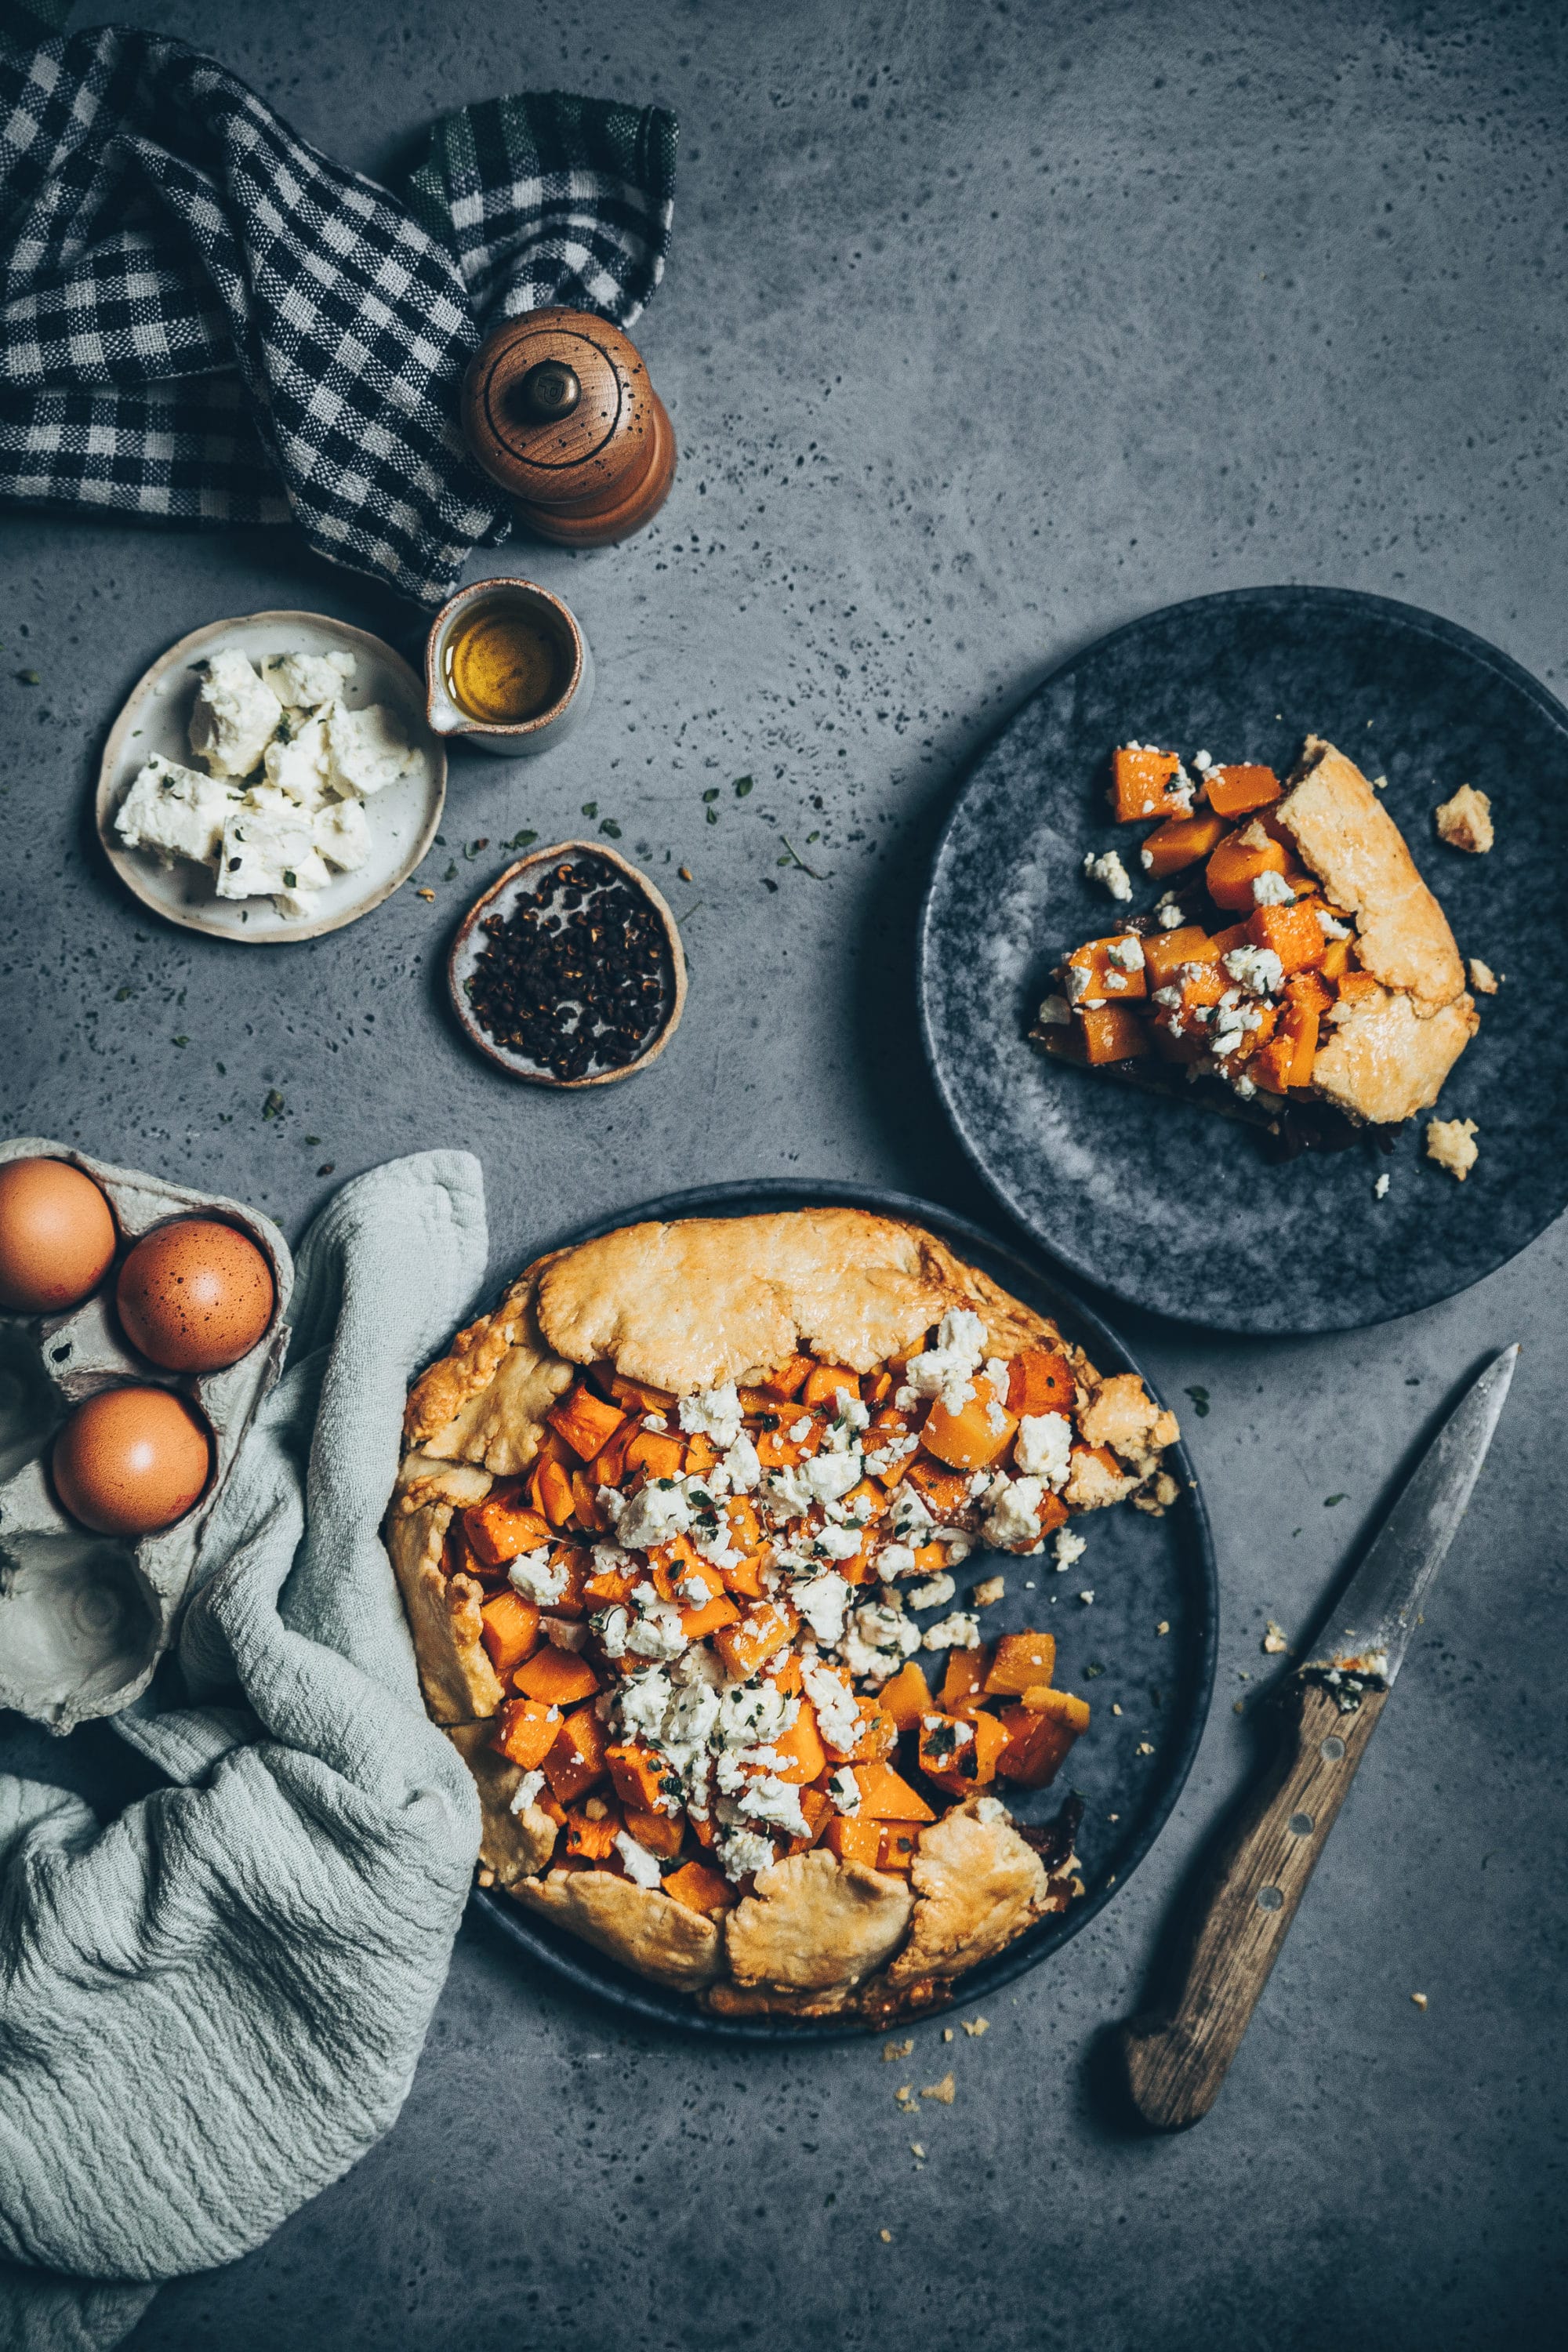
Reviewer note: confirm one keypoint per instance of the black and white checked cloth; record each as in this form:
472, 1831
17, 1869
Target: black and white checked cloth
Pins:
203, 319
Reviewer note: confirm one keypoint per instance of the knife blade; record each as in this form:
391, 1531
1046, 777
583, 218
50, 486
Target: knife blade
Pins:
1177, 2062
1367, 1632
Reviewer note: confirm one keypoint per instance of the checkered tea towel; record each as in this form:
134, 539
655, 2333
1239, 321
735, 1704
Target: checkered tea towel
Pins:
204, 320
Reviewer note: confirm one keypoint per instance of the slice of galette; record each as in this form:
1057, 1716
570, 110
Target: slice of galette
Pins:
1300, 959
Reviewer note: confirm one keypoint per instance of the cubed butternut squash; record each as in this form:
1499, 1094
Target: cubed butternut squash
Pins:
585, 1422
576, 1760
1235, 864
592, 1829
526, 1732
1109, 980
659, 1455
899, 1845
550, 1489
636, 1397
824, 1383
974, 1760
701, 1889
700, 1454
1237, 790
1040, 1736
854, 1837
745, 1646
509, 1628
608, 1587
906, 1697
1164, 952
657, 1833
945, 1491
1112, 1032
1039, 1381
1293, 933
557, 1677
801, 1748
609, 1467
502, 1527
1021, 1660
697, 1623
1179, 843
978, 1433
1336, 958
887, 1796
586, 1508
1142, 784
639, 1774
963, 1683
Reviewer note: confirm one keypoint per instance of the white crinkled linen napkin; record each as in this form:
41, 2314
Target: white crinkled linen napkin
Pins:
211, 2009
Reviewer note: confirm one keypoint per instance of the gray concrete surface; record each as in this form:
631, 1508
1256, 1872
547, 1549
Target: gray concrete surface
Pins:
988, 327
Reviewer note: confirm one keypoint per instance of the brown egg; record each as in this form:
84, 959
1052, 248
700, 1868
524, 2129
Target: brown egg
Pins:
131, 1461
195, 1296
56, 1236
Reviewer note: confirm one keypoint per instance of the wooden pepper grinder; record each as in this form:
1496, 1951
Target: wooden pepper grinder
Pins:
558, 410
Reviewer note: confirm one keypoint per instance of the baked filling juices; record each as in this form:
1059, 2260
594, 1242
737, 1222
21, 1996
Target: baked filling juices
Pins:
507, 662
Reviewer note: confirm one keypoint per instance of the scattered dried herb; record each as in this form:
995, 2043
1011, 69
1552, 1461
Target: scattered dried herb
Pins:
273, 1107
742, 786
577, 977
1200, 1398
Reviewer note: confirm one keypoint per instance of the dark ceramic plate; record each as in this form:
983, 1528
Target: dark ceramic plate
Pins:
1159, 1202
1143, 1573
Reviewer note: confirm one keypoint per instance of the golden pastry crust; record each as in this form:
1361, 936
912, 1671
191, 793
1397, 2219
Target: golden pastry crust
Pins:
642, 1927
486, 1401
514, 1845
1351, 843
977, 1886
816, 1925
1383, 1063
709, 1299
455, 1672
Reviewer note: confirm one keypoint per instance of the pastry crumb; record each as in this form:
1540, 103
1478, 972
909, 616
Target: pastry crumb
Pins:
1163, 1626
1483, 978
1115, 1709
1451, 1143
425, 894
1274, 1643
1465, 821
1087, 1599
1144, 1747
486, 1877
945, 2092
916, 2150
891, 2050
987, 1595
886, 2236
1419, 1999
976, 2026
947, 2033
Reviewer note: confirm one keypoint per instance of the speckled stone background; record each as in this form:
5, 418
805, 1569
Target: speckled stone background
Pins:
988, 329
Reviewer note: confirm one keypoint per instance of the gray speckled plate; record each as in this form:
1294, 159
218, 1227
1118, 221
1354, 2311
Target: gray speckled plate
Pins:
1161, 1202
1146, 1647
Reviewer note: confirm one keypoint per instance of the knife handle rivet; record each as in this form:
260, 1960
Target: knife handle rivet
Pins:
1332, 1748
1300, 1824
1270, 1899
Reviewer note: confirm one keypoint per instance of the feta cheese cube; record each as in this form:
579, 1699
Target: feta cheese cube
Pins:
368, 750
267, 851
235, 715
341, 832
297, 764
178, 811
308, 681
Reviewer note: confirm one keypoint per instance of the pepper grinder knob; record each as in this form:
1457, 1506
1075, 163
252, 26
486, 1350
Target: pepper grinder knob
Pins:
558, 411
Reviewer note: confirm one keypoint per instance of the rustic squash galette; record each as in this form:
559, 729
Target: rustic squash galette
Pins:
658, 1530
1302, 963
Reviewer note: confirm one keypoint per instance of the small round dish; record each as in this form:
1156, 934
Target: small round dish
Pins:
402, 818
1144, 1654
500, 899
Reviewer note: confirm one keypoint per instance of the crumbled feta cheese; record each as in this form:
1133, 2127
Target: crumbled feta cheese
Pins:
656, 1514
1331, 926
527, 1792
297, 765
987, 1595
1271, 890
945, 1370
306, 681
1013, 1521
1169, 913
715, 1413
742, 1851
838, 1543
877, 1640
612, 1626
1259, 969
1379, 1190
749, 1712
641, 1866
533, 1577
959, 1631
1069, 1546
776, 1802
1043, 1446
656, 1632
896, 1559
1108, 870
741, 1465
1055, 1012
837, 1716
933, 1593
1078, 981
844, 1791
822, 1600
1201, 761
1087, 1597
988, 1809
1126, 954
177, 812
367, 751
820, 1478
235, 715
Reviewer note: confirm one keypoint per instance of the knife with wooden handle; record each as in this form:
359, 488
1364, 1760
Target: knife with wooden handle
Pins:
1330, 1704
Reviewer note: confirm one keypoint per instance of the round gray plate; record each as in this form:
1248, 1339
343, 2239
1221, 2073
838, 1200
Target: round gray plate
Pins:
1143, 1572
1161, 1204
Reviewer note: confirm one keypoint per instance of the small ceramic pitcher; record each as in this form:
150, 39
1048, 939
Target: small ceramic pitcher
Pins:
572, 688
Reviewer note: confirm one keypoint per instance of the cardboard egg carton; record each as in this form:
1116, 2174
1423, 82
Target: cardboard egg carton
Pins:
85, 1618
